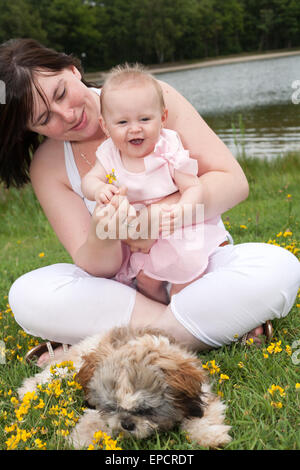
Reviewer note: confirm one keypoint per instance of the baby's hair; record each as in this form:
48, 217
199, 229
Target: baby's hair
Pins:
127, 73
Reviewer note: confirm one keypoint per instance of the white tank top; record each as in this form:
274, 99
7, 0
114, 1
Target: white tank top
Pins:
72, 170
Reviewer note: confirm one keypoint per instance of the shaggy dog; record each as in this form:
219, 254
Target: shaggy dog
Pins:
138, 382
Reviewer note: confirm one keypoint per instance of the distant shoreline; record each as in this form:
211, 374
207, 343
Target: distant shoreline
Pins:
156, 69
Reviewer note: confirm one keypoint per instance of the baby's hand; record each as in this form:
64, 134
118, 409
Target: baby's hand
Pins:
105, 192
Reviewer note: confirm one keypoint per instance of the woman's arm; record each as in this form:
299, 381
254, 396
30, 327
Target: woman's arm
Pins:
223, 181
68, 215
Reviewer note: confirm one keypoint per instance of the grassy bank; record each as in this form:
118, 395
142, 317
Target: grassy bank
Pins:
258, 385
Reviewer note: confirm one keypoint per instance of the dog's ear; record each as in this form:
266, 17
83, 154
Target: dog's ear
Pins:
92, 360
87, 370
185, 381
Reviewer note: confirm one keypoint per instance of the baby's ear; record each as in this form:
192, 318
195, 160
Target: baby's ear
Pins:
103, 125
164, 117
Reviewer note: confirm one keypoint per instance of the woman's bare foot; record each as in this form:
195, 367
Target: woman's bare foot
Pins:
255, 335
45, 357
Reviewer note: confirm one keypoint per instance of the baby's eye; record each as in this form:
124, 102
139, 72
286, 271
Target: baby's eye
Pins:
122, 122
145, 119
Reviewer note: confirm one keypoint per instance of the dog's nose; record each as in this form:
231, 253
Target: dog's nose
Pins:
127, 425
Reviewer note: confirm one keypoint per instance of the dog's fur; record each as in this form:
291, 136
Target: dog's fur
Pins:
140, 381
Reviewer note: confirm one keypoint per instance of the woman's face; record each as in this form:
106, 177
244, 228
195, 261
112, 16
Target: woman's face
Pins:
73, 109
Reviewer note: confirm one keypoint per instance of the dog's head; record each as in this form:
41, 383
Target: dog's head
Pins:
141, 380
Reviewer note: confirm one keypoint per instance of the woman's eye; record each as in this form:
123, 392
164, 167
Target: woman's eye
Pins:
44, 123
62, 94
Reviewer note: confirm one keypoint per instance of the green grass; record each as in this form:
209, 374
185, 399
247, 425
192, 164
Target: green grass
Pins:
272, 208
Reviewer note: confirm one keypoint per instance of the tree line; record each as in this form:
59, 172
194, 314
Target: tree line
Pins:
106, 32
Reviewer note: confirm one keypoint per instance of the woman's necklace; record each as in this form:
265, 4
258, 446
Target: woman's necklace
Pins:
82, 155
85, 159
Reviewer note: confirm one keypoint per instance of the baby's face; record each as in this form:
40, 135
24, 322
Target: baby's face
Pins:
133, 118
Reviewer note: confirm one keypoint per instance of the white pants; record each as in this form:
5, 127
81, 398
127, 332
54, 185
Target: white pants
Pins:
243, 286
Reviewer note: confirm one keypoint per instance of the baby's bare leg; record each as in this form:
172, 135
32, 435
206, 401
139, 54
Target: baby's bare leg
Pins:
152, 288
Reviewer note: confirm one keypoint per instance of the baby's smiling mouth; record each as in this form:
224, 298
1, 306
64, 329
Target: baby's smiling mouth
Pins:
136, 141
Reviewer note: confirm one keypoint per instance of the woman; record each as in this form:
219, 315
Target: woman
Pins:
244, 285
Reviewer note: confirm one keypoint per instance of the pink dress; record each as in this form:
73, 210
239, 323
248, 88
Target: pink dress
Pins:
182, 256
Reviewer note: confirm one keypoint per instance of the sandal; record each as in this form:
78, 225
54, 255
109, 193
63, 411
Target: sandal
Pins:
35, 353
267, 332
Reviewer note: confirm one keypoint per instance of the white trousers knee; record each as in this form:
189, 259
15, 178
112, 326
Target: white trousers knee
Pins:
243, 286
63, 303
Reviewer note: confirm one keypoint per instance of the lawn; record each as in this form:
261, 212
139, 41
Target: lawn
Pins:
261, 386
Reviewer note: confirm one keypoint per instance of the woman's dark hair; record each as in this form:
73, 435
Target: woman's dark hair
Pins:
19, 60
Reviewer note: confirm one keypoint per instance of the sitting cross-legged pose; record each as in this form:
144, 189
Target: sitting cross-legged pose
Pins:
53, 114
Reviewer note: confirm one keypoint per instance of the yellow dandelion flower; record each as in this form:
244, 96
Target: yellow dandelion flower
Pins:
244, 227
276, 388
297, 386
288, 350
40, 405
14, 401
41, 255
223, 377
40, 445
276, 404
111, 176
274, 348
288, 233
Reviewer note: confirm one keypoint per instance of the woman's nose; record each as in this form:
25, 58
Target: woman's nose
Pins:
69, 115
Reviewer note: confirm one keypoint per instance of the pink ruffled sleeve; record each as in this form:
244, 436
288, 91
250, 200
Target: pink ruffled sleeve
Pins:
171, 149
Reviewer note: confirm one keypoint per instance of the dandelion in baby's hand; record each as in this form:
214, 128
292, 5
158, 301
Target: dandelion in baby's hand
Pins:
111, 176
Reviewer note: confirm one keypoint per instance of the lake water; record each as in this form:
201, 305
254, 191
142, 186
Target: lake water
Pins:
249, 105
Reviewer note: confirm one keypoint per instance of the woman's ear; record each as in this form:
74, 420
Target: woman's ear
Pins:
76, 72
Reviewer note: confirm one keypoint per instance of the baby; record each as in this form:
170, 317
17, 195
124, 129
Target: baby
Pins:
152, 163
